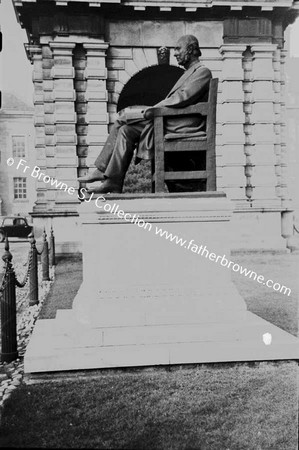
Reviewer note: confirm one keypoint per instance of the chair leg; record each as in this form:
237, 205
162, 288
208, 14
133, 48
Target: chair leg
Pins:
159, 155
159, 172
153, 175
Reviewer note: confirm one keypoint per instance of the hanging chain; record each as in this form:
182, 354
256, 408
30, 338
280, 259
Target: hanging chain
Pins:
21, 284
9, 266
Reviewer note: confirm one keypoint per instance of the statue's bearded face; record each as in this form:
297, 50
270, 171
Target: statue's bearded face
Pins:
182, 52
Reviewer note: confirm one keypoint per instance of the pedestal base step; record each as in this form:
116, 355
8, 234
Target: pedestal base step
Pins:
66, 344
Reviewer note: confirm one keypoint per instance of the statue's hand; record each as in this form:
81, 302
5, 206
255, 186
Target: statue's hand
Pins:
121, 114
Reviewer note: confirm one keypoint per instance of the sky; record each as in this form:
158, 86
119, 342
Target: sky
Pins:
16, 70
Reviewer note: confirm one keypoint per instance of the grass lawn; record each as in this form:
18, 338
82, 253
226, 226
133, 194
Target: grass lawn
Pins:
275, 307
227, 406
210, 406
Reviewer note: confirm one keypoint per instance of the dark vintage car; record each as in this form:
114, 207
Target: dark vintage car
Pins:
14, 226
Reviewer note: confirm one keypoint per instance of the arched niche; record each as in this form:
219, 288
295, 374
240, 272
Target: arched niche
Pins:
149, 86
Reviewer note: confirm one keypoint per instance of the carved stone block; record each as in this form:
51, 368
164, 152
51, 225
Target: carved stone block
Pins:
96, 73
66, 139
62, 72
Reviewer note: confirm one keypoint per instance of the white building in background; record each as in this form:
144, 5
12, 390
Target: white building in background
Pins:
17, 188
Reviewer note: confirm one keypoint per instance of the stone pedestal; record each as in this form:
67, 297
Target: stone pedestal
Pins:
151, 300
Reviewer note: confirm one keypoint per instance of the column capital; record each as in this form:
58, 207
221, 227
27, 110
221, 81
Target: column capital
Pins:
96, 62
232, 50
232, 56
62, 55
95, 46
62, 48
262, 50
33, 51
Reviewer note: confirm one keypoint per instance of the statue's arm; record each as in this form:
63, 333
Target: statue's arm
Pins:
194, 87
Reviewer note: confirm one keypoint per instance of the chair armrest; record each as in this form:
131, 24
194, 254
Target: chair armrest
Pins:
199, 108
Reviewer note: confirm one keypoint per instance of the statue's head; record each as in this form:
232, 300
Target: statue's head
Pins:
187, 50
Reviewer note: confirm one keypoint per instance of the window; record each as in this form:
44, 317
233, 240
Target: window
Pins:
19, 188
18, 147
7, 222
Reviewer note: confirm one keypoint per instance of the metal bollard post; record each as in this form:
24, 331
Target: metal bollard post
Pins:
9, 347
33, 275
45, 258
52, 248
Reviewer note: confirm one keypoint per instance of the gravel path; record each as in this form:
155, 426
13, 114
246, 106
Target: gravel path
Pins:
11, 374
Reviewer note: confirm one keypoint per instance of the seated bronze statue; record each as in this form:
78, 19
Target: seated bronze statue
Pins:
129, 131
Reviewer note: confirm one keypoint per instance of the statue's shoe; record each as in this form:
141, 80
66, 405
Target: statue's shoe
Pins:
107, 187
96, 175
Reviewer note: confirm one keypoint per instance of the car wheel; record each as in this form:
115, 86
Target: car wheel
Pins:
2, 236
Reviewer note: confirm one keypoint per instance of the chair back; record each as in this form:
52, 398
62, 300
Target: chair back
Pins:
201, 142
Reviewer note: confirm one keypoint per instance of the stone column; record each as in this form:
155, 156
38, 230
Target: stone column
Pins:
264, 178
65, 162
45, 191
277, 119
285, 201
35, 54
249, 146
81, 108
96, 97
287, 214
230, 172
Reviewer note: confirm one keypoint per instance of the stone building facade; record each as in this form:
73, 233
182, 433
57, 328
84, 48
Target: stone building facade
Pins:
17, 189
85, 52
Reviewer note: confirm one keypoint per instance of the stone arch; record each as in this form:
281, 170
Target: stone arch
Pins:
149, 86
124, 63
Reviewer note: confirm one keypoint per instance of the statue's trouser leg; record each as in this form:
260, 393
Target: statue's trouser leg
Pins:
123, 137
103, 159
